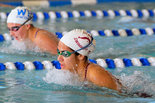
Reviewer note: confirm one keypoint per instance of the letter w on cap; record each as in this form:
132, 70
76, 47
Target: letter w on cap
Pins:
21, 11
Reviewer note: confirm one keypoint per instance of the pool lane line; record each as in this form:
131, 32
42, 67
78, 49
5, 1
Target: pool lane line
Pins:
106, 63
136, 13
106, 32
54, 3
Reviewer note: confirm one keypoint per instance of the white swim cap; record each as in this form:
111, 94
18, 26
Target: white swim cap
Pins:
19, 15
79, 39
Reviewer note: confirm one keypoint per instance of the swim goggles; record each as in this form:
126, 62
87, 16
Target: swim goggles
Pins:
16, 28
66, 53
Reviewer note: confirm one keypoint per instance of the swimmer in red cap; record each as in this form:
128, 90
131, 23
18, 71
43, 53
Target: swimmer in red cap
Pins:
73, 50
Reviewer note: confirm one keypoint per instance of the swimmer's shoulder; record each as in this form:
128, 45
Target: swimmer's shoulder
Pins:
47, 33
95, 70
41, 33
101, 77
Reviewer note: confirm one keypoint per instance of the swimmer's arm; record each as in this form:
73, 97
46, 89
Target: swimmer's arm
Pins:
47, 42
100, 77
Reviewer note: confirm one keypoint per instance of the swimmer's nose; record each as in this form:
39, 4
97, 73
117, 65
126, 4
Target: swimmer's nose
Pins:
12, 33
60, 58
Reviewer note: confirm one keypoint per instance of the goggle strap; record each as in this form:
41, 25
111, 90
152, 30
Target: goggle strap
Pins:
26, 21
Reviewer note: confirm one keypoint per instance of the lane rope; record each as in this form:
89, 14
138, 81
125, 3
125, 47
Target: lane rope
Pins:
106, 63
143, 13
106, 32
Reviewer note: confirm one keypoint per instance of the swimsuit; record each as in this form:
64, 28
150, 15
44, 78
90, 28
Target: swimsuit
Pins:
37, 32
86, 72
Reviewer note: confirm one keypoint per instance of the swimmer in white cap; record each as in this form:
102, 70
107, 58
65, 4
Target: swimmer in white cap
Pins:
20, 25
73, 50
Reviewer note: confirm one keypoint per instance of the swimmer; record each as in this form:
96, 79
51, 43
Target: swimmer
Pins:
19, 23
73, 50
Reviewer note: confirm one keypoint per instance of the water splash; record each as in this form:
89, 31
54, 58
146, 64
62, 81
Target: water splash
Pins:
15, 46
138, 83
62, 77
126, 19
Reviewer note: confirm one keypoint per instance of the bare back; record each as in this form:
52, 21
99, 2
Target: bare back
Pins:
101, 77
45, 40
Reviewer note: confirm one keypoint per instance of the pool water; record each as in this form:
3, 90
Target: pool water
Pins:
54, 85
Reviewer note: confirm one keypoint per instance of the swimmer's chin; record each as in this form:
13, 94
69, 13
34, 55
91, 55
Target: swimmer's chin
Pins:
63, 68
19, 39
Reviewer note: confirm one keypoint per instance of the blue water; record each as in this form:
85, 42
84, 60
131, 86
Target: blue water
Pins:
59, 86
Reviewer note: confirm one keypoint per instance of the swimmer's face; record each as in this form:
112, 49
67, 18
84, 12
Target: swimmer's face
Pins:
67, 63
19, 33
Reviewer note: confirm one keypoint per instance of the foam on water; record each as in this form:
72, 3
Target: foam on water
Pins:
62, 77
126, 19
15, 46
138, 82
14, 50
134, 83
129, 19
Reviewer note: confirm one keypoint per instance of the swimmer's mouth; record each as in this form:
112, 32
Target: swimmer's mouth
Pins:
62, 65
16, 37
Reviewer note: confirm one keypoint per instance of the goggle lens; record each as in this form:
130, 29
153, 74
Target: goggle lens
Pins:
15, 28
64, 53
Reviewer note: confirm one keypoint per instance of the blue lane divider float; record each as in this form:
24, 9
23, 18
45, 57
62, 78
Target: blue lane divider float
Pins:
53, 3
106, 63
144, 13
106, 32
